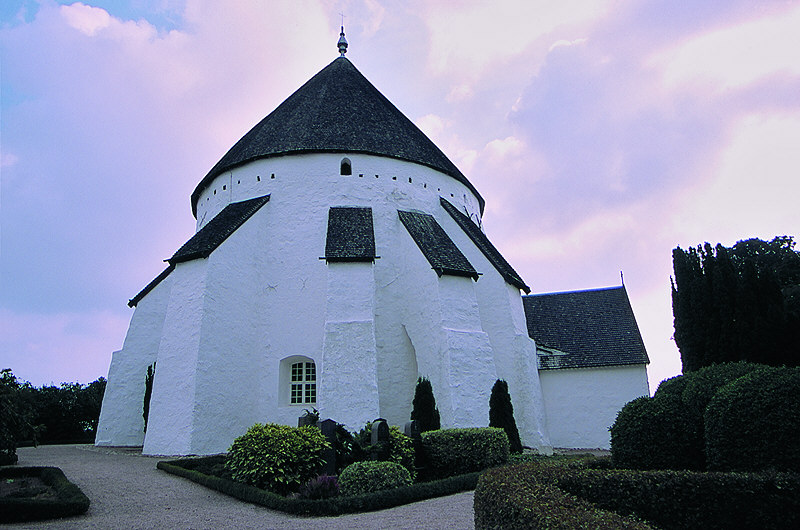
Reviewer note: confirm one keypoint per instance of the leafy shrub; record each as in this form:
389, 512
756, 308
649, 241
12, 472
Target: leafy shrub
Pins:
753, 423
401, 447
673, 386
368, 476
424, 409
321, 487
456, 451
276, 457
548, 496
701, 385
501, 414
515, 497
656, 433
378, 500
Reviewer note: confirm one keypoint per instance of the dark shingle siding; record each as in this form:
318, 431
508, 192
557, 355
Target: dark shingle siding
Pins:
207, 239
482, 242
150, 286
436, 245
217, 230
350, 234
593, 328
340, 111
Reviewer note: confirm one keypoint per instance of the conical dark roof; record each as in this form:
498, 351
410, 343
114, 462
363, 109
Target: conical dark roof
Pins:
336, 111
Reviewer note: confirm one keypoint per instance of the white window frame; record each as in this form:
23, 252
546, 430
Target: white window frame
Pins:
303, 383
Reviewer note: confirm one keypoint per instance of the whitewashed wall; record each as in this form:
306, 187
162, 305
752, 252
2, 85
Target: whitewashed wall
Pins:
581, 404
235, 320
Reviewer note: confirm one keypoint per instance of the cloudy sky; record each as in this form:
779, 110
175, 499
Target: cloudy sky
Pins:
601, 134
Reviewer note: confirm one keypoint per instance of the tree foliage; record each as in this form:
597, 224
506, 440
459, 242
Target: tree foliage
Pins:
501, 414
16, 416
424, 409
737, 304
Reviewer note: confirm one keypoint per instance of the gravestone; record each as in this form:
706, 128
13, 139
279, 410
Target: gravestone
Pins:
380, 439
411, 430
328, 428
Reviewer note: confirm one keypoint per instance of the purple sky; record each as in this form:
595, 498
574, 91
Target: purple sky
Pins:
602, 136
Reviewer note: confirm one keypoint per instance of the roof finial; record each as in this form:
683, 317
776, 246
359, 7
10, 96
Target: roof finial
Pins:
342, 41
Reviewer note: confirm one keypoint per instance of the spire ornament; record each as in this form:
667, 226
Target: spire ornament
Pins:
342, 43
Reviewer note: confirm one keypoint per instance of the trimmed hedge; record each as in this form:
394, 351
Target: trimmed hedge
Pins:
451, 452
516, 497
277, 457
701, 385
379, 500
69, 500
368, 476
656, 433
541, 496
754, 422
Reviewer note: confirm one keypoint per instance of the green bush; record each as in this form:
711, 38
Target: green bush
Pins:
423, 407
672, 386
277, 457
378, 500
547, 496
753, 423
369, 476
516, 497
456, 451
401, 447
656, 433
701, 385
69, 500
501, 414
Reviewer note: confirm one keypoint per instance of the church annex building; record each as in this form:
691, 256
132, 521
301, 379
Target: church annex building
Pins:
338, 256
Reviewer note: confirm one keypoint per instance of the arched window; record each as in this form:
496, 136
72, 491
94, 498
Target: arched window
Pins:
303, 383
346, 168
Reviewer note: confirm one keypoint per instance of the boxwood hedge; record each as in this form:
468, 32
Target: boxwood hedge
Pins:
451, 452
541, 496
69, 500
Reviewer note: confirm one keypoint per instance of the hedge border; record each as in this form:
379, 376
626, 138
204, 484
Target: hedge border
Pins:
586, 494
70, 499
366, 502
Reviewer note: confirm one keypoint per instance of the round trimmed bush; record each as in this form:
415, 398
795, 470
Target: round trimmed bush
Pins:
656, 433
700, 386
673, 386
753, 423
401, 447
369, 476
275, 457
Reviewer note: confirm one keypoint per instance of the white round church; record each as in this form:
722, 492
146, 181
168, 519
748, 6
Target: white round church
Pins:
338, 257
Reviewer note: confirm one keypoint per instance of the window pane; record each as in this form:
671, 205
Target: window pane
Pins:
297, 372
296, 394
311, 372
311, 393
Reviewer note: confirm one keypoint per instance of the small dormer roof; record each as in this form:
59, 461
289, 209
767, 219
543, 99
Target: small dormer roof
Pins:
336, 111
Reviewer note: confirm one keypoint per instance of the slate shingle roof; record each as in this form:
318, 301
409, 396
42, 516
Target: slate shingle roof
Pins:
350, 234
584, 329
150, 286
207, 239
436, 245
482, 242
338, 110
217, 230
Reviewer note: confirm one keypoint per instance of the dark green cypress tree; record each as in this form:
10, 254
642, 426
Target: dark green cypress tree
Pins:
148, 392
424, 409
501, 414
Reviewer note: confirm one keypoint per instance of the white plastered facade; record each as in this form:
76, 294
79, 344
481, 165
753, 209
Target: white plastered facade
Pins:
223, 329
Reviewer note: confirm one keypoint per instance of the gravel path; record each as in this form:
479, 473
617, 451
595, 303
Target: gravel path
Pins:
127, 491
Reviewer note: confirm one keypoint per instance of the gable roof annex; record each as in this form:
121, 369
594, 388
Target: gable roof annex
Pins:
584, 329
336, 111
484, 245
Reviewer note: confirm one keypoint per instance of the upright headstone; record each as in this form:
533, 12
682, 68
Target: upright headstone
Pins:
328, 428
411, 430
380, 439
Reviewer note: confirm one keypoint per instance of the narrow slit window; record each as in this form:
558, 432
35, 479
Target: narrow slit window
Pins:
346, 168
